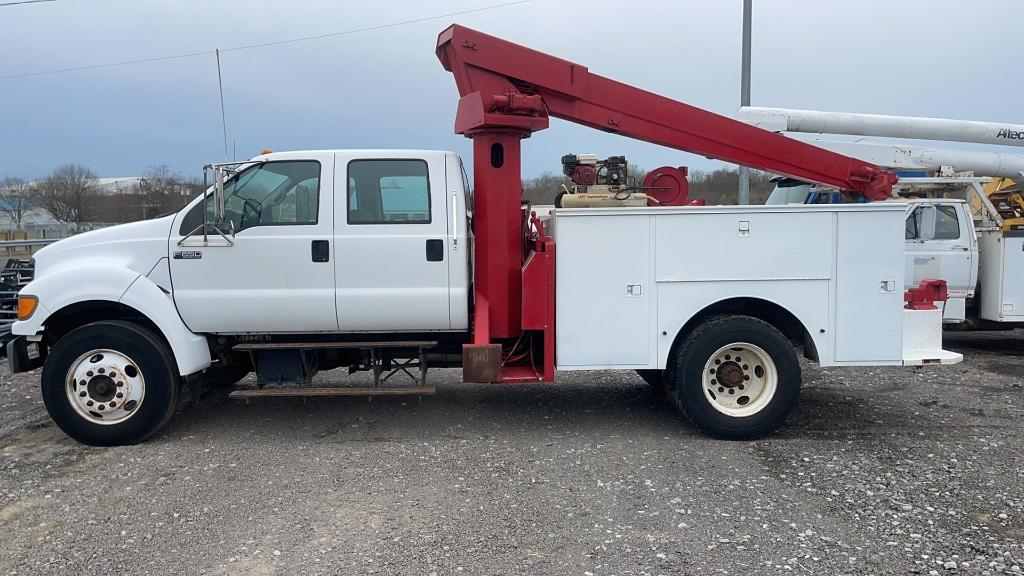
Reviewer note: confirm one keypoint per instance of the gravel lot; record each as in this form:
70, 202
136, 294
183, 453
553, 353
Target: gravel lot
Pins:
879, 471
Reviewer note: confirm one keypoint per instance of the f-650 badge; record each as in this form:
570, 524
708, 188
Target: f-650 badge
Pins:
188, 255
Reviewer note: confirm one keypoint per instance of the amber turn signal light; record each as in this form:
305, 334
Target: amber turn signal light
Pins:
26, 306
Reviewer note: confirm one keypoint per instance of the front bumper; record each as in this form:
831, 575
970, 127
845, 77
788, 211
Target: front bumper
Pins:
23, 355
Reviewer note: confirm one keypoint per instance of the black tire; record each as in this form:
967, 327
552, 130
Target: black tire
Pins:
699, 348
655, 379
154, 362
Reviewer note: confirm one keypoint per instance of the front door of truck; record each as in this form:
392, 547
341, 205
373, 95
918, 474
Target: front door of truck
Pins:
940, 244
392, 242
277, 274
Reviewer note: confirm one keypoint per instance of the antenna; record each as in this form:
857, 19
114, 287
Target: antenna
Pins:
223, 120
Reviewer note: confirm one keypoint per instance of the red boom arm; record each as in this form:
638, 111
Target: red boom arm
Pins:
509, 91
501, 83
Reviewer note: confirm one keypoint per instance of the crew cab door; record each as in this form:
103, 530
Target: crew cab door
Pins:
941, 244
276, 274
392, 242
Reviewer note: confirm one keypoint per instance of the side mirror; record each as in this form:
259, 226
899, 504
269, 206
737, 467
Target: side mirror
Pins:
218, 194
927, 222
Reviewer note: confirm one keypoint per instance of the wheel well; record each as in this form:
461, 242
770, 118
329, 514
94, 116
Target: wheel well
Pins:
81, 313
770, 312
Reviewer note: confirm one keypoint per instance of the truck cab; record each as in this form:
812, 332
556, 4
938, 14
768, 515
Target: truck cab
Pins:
326, 242
942, 243
296, 249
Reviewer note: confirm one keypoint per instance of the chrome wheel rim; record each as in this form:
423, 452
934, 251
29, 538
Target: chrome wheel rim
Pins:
105, 386
739, 380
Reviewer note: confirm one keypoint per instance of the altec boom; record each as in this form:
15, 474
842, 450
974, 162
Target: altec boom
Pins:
508, 92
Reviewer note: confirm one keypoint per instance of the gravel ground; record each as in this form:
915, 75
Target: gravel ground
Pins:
879, 471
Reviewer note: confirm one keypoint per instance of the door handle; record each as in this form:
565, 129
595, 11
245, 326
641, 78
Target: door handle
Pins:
435, 250
320, 250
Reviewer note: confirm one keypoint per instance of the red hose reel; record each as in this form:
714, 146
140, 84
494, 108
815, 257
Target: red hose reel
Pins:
668, 186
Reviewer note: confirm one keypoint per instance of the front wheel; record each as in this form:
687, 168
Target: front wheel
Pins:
736, 377
110, 383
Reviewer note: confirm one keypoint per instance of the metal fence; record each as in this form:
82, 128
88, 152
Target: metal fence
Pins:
17, 271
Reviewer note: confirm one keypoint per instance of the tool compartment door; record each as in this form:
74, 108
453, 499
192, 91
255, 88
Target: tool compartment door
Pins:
604, 291
869, 287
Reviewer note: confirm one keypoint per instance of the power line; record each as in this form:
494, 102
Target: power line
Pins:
260, 45
2, 4
108, 65
378, 27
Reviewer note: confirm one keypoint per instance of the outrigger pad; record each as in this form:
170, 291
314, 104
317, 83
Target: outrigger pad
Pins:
481, 363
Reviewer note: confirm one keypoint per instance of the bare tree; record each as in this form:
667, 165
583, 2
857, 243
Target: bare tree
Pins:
719, 186
163, 190
67, 193
542, 189
15, 199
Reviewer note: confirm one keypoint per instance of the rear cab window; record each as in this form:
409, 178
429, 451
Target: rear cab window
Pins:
384, 191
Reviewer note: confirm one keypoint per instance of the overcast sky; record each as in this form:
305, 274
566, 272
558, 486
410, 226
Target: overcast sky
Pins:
385, 88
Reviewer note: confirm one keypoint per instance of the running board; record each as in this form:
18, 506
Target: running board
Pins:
251, 346
247, 393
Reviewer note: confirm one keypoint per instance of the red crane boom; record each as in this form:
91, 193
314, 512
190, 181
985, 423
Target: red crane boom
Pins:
509, 91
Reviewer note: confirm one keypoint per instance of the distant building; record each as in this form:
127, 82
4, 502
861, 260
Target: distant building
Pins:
122, 185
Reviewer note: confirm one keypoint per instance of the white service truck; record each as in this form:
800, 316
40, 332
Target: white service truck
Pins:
386, 261
963, 239
332, 258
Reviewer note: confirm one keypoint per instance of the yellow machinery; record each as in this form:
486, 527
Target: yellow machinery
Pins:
1008, 199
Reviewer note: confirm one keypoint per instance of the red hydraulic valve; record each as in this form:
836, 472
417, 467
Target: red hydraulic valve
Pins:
929, 291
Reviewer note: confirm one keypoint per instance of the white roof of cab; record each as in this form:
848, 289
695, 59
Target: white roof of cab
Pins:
367, 152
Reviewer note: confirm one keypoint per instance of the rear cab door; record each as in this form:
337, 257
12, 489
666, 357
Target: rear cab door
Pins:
392, 241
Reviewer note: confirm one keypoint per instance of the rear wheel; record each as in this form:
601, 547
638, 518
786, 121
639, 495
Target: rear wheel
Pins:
110, 383
736, 377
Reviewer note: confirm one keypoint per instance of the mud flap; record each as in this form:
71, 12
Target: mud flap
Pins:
20, 358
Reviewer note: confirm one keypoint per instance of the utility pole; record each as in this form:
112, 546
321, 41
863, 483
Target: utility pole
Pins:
744, 172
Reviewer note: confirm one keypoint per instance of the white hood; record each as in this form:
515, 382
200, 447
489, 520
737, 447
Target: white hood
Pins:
137, 246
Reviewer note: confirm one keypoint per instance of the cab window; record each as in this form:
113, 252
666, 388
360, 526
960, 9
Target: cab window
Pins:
388, 192
947, 226
267, 194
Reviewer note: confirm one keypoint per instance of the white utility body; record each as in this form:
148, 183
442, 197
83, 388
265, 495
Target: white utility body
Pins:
362, 259
838, 269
